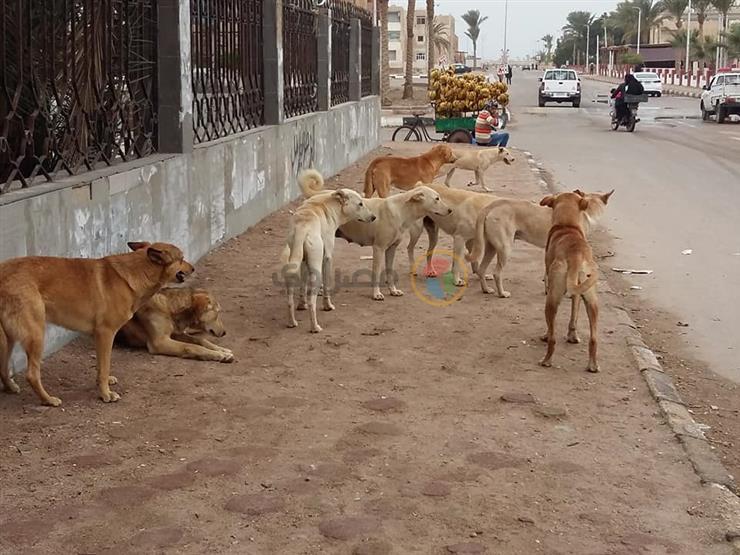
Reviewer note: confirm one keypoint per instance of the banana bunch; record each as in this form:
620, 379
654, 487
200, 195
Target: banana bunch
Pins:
453, 95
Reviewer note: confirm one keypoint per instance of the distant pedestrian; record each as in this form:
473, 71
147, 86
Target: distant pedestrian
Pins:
500, 74
509, 73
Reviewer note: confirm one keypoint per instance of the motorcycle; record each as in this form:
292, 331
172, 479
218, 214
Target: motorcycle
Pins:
630, 119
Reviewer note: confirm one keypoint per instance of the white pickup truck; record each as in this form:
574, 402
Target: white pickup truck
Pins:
721, 96
560, 85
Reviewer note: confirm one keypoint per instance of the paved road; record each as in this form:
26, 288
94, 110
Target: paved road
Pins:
677, 187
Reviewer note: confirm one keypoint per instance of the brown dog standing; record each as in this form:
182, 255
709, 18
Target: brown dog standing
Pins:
405, 173
93, 296
569, 268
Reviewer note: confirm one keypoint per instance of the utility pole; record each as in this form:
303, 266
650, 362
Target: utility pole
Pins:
505, 60
688, 44
597, 53
639, 28
588, 43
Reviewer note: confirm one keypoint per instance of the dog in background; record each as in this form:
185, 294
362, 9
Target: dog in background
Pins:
405, 173
570, 269
92, 296
309, 247
165, 324
478, 161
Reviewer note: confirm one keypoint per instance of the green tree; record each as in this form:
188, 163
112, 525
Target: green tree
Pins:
440, 38
701, 7
723, 7
408, 84
675, 9
576, 29
473, 20
624, 18
430, 46
732, 40
547, 42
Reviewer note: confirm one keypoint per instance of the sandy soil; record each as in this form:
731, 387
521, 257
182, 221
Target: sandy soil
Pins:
403, 428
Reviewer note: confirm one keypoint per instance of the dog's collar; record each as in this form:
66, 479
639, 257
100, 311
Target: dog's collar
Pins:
558, 227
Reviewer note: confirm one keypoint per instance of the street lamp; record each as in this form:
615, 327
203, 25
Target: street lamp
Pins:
506, 23
639, 22
688, 41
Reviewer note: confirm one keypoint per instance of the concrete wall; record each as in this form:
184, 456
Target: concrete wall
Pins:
193, 200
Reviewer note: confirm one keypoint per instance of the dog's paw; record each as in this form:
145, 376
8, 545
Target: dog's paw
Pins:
227, 357
12, 387
546, 363
488, 276
543, 338
593, 367
109, 397
292, 324
329, 306
459, 282
317, 329
303, 305
396, 293
504, 294
573, 338
112, 380
53, 401
378, 297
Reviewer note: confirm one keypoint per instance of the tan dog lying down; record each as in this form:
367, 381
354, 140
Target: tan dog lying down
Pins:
478, 161
93, 296
570, 268
309, 247
405, 173
505, 220
161, 326
394, 214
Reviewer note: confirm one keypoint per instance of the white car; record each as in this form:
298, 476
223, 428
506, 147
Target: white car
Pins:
721, 96
560, 85
651, 81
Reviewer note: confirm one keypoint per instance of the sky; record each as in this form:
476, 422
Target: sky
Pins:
528, 21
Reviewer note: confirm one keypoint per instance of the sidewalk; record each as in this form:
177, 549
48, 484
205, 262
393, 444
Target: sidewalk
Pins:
676, 90
402, 428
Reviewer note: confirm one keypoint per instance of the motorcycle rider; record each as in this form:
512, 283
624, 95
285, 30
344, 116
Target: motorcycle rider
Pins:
631, 86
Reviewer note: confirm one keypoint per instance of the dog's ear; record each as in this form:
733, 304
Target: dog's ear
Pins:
137, 245
500, 150
583, 203
579, 193
163, 258
549, 200
605, 196
201, 301
418, 196
341, 195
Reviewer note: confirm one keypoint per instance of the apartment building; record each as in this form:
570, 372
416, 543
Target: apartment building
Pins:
397, 40
664, 32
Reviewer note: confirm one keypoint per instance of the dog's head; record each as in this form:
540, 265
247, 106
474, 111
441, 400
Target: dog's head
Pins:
353, 205
573, 201
169, 257
444, 153
596, 204
429, 201
207, 314
506, 156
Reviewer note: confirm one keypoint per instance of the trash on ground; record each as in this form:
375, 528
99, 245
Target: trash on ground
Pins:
636, 288
682, 324
687, 251
628, 271
369, 257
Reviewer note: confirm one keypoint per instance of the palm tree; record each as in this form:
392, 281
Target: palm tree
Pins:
547, 41
679, 44
385, 68
474, 21
430, 46
675, 9
625, 18
723, 7
576, 29
440, 38
732, 40
408, 84
701, 7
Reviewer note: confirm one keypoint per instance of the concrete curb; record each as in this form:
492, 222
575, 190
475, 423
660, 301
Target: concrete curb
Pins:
688, 432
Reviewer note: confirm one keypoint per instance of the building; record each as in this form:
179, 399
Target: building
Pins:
397, 40
664, 33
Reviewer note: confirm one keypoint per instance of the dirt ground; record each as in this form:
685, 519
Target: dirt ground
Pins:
396, 94
402, 428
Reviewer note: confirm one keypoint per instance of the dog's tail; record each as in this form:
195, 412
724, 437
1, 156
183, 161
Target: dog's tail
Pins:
575, 289
311, 182
479, 239
369, 185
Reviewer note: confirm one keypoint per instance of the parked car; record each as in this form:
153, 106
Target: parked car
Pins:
560, 85
461, 68
651, 81
721, 96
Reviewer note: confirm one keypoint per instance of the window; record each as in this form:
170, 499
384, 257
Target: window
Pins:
394, 17
421, 56
392, 55
560, 75
421, 20
420, 38
394, 35
720, 80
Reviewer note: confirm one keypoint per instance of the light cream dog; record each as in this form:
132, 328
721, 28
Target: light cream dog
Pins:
394, 214
478, 161
163, 324
505, 220
307, 255
466, 206
570, 268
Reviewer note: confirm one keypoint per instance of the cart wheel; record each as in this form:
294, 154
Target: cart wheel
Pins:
406, 133
460, 136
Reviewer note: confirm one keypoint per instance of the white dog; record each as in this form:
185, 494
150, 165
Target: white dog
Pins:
310, 242
479, 161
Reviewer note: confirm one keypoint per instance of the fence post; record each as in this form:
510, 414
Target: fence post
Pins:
272, 32
375, 75
355, 62
175, 79
324, 61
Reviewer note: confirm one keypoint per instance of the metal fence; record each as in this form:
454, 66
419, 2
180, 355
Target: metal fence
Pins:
366, 47
341, 14
300, 57
77, 86
227, 67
